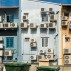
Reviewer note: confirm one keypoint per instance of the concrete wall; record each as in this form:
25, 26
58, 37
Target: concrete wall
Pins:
33, 8
10, 32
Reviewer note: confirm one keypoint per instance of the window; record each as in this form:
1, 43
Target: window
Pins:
10, 18
44, 16
9, 42
44, 41
66, 14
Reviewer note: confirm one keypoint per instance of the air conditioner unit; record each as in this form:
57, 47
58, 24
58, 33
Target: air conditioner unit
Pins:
42, 52
25, 18
8, 53
1, 39
33, 44
1, 52
42, 58
50, 51
50, 56
33, 40
1, 46
1, 60
14, 25
52, 25
67, 59
0, 18
64, 23
1, 25
53, 18
64, 18
70, 25
67, 51
43, 26
7, 25
44, 9
33, 57
32, 25
51, 10
24, 25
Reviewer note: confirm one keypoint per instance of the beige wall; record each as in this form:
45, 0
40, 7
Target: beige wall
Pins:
65, 32
44, 63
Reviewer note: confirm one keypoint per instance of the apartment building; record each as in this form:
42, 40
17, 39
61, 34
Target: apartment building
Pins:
35, 32
40, 32
66, 34
9, 18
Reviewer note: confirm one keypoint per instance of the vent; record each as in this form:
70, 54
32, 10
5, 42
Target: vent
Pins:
1, 67
53, 18
41, 57
24, 25
33, 40
7, 25
50, 57
42, 9
8, 53
50, 9
33, 44
42, 52
64, 23
44, 26
14, 25
67, 59
67, 51
32, 25
24, 17
70, 25
33, 57
52, 25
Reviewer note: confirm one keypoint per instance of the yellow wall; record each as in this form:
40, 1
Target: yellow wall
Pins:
44, 63
65, 32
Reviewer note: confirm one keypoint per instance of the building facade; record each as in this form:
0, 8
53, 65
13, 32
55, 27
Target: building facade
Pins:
35, 32
66, 33
40, 32
9, 20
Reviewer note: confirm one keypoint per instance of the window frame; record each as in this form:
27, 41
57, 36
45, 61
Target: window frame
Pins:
44, 16
44, 41
9, 42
